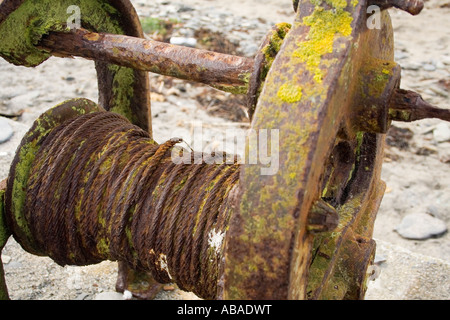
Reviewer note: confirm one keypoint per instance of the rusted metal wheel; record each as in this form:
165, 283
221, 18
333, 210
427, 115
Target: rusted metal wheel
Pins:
313, 95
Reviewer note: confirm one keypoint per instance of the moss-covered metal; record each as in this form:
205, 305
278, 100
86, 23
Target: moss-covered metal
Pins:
15, 196
4, 236
119, 90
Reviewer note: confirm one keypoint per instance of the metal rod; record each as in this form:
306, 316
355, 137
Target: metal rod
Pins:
222, 71
409, 106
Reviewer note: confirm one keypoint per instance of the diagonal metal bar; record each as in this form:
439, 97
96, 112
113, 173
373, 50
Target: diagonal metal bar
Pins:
222, 71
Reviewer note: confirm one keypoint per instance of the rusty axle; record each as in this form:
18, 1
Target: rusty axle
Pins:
223, 71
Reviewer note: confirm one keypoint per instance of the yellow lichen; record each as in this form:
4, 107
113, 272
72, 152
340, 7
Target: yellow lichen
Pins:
324, 25
289, 92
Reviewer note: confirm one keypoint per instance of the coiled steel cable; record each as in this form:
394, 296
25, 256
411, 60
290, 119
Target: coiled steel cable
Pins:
101, 189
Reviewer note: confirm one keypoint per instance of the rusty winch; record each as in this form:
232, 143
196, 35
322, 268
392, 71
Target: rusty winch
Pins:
88, 183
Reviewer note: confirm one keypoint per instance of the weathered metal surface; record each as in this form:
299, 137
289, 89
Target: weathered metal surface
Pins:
123, 90
15, 200
413, 7
264, 58
309, 97
86, 186
8, 6
227, 72
406, 106
379, 80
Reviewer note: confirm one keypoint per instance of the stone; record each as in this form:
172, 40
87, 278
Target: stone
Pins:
428, 67
182, 41
6, 259
442, 132
109, 295
83, 296
444, 152
400, 55
411, 65
420, 226
6, 131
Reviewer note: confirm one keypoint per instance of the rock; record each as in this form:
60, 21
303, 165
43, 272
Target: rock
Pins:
109, 295
408, 275
6, 259
438, 91
442, 132
25, 100
439, 65
379, 258
411, 65
83, 296
433, 210
400, 55
127, 295
444, 152
428, 67
6, 131
420, 226
182, 41
446, 60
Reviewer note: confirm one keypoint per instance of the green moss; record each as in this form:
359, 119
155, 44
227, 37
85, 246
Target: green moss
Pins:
103, 247
25, 27
123, 91
326, 245
151, 25
26, 156
402, 115
4, 232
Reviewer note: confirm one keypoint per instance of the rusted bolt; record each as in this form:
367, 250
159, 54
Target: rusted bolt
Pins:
322, 217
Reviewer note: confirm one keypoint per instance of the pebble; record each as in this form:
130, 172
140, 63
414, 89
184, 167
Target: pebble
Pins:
420, 226
411, 65
379, 259
6, 259
444, 152
109, 295
6, 131
446, 60
399, 55
82, 296
442, 132
428, 67
182, 41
